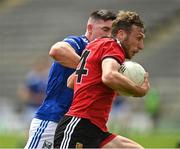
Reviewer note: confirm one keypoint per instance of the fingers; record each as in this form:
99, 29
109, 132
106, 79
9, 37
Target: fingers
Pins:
146, 75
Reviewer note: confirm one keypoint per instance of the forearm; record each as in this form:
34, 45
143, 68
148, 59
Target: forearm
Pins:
64, 54
120, 83
70, 60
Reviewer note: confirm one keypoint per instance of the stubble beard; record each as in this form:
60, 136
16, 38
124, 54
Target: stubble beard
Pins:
126, 48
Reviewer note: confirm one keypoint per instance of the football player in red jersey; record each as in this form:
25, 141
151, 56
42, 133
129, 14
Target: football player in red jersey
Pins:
95, 83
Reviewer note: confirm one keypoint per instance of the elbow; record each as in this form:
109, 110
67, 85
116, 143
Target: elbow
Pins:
107, 79
53, 52
56, 51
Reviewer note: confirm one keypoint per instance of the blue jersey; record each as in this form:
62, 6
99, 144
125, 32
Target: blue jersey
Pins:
58, 96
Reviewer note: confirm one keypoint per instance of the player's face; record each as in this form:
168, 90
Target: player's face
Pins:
134, 41
101, 28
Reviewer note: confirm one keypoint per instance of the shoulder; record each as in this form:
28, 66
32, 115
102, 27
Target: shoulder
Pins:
112, 49
77, 42
71, 38
74, 38
103, 40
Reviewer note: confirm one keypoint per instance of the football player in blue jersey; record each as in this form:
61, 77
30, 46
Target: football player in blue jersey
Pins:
66, 55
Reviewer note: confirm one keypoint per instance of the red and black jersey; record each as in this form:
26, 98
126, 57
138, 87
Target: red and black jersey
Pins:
92, 98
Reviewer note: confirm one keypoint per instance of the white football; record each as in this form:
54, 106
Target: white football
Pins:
134, 71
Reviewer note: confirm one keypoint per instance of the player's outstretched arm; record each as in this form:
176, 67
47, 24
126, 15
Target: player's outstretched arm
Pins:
64, 54
117, 81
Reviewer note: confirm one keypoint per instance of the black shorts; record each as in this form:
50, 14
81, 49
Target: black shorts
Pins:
74, 132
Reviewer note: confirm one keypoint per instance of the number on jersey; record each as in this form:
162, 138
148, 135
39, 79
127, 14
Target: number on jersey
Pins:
81, 70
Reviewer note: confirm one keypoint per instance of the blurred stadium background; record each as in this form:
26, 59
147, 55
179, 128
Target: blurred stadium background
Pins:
28, 28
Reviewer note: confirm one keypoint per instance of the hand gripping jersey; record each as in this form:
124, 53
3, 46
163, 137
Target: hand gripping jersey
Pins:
92, 98
58, 96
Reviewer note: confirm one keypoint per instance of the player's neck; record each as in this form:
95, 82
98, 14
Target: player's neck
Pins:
88, 36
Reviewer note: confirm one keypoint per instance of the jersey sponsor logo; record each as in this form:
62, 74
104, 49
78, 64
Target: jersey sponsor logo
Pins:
79, 145
47, 145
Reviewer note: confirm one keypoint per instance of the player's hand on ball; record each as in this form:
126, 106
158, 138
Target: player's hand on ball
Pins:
143, 89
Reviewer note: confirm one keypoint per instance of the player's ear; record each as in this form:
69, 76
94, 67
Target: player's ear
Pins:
90, 28
122, 35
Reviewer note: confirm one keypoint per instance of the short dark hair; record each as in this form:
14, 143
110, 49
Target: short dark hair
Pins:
103, 14
125, 20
